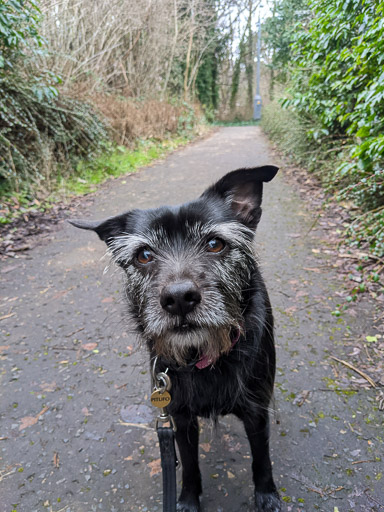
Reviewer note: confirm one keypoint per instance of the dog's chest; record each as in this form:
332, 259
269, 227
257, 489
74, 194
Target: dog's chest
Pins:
206, 393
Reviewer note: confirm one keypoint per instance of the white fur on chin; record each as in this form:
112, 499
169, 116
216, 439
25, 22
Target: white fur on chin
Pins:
176, 346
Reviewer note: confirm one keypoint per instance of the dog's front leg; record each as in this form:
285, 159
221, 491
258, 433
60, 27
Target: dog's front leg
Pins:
187, 437
256, 425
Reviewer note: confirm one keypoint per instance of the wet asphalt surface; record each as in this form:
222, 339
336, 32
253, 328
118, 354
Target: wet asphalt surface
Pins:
76, 430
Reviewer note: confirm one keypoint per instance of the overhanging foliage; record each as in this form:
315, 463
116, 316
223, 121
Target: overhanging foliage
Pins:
337, 87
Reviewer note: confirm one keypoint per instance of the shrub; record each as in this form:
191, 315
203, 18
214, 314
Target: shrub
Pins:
338, 81
40, 129
337, 93
19, 20
131, 119
288, 130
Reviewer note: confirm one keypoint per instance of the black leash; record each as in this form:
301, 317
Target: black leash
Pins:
168, 465
161, 398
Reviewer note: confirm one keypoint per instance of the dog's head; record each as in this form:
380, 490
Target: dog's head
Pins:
190, 268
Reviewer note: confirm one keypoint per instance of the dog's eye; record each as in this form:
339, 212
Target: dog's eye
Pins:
144, 256
215, 245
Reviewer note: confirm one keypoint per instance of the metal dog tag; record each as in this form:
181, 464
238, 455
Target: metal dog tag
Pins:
160, 399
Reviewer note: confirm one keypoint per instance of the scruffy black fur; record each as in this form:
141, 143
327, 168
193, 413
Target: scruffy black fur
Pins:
198, 299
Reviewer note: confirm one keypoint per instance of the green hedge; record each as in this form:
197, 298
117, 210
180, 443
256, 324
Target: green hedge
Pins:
337, 88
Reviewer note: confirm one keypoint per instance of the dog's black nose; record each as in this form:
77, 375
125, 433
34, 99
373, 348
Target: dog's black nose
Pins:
180, 298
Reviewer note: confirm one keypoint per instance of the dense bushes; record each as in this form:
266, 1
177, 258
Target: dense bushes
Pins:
41, 132
19, 21
130, 119
47, 128
337, 92
338, 79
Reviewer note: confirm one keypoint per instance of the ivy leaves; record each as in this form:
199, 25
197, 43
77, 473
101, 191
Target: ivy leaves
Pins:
338, 84
18, 28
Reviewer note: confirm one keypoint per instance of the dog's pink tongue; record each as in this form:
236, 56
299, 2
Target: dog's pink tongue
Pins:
206, 361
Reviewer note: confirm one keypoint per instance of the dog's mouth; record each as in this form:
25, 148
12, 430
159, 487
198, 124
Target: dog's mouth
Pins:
185, 327
188, 343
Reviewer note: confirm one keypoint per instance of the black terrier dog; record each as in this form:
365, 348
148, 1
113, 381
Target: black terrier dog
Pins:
198, 299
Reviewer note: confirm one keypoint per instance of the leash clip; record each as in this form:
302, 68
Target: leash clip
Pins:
165, 418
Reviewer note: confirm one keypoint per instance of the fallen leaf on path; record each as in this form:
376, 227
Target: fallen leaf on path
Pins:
206, 447
121, 386
28, 421
89, 346
56, 460
61, 293
301, 398
48, 387
230, 475
108, 299
85, 411
155, 467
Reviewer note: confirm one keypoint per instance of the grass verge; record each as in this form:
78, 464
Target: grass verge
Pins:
115, 161
251, 122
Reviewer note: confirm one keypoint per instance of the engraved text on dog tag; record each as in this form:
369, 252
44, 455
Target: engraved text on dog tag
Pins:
159, 399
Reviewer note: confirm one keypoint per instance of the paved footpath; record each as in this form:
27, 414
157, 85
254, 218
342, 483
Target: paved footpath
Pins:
76, 431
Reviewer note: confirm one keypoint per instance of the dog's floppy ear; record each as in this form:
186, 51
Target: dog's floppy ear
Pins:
244, 189
106, 229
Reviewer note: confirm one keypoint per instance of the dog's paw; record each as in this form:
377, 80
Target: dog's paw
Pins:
188, 506
268, 502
